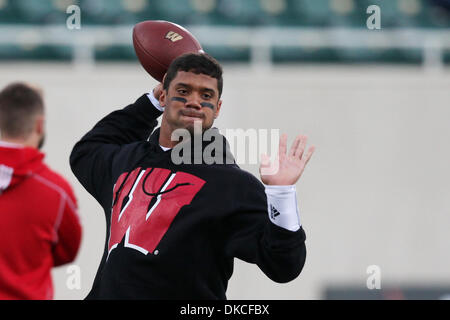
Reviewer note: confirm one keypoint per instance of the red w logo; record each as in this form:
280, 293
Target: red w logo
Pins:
147, 204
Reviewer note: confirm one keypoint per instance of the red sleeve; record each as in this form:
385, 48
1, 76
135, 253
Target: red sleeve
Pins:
68, 230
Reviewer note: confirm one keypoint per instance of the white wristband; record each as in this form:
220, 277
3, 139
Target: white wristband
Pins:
155, 101
282, 206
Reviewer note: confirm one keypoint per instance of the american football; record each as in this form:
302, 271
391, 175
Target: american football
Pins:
158, 43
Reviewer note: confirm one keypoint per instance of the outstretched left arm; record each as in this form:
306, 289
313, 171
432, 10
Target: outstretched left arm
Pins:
266, 230
280, 178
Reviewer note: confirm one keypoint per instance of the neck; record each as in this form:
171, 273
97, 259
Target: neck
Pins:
19, 142
165, 134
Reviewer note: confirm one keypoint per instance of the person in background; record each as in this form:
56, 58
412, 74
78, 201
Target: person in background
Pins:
39, 223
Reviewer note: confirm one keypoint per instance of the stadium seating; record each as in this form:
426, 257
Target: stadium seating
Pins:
313, 13
432, 14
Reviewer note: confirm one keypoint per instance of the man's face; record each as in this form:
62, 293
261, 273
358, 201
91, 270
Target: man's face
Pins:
191, 98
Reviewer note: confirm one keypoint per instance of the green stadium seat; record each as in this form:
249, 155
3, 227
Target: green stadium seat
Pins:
394, 13
8, 14
149, 12
314, 13
273, 8
436, 16
423, 14
7, 52
109, 12
347, 13
328, 13
279, 13
35, 12
205, 12
38, 53
180, 12
446, 57
291, 16
228, 54
303, 55
51, 52
237, 12
204, 6
135, 6
115, 53
394, 55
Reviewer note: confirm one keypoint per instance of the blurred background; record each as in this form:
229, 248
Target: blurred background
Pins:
375, 197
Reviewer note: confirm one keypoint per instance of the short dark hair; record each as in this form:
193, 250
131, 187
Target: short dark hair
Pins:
199, 63
19, 104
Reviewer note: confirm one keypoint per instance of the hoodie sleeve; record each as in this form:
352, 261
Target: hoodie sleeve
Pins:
68, 231
111, 144
253, 238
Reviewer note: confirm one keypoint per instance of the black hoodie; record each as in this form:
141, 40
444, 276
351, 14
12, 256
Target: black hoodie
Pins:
173, 230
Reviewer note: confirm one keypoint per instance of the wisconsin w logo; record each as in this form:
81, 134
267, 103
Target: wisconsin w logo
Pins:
147, 204
173, 36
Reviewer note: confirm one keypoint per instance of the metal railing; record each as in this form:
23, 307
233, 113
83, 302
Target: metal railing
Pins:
259, 40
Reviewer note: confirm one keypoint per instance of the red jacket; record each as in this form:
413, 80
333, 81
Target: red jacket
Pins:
39, 224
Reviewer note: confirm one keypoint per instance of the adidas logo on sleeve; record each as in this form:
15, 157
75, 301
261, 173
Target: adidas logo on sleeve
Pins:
282, 207
273, 212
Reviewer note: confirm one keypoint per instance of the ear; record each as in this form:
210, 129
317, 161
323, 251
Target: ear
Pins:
219, 105
40, 125
163, 98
